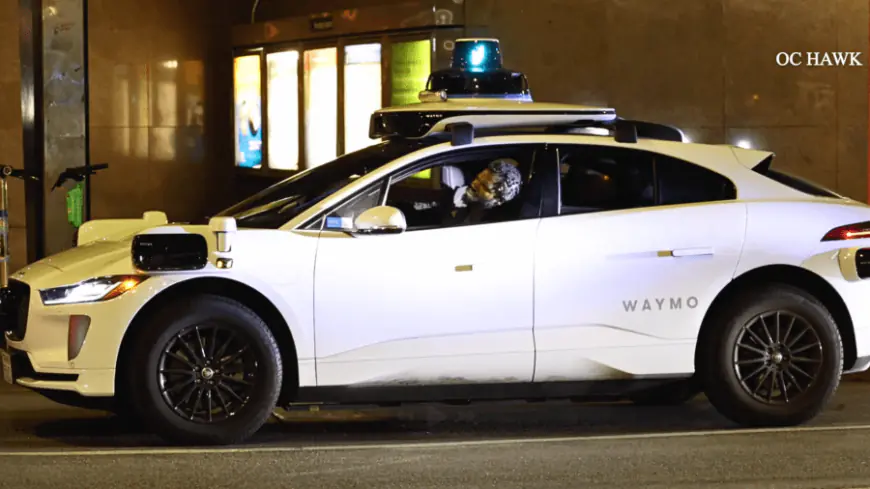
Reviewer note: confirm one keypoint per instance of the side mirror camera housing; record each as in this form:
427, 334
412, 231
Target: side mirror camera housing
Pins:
223, 228
380, 220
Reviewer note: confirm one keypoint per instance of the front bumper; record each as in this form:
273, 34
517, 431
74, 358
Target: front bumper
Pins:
41, 349
87, 383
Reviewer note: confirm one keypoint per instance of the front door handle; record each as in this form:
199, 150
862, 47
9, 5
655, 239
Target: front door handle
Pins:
687, 252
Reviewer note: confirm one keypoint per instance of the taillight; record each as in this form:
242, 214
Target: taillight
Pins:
858, 230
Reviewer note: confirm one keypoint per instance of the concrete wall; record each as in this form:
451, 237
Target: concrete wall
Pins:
161, 83
161, 98
708, 66
277, 9
161, 95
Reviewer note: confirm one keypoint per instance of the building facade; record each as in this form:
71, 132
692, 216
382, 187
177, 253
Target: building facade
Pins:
199, 107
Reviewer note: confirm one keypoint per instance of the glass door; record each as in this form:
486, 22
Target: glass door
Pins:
283, 110
363, 90
321, 106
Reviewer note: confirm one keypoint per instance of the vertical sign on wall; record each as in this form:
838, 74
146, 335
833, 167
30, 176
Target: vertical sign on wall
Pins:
248, 112
412, 62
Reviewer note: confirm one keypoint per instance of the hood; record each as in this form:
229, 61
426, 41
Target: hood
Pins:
92, 255
80, 263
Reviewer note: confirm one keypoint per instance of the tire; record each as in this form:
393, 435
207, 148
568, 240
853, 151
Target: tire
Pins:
719, 354
673, 394
161, 361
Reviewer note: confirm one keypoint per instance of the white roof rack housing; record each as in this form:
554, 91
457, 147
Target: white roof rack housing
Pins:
465, 116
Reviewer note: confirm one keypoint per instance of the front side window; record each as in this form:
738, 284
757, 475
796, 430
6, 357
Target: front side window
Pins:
343, 218
278, 204
470, 187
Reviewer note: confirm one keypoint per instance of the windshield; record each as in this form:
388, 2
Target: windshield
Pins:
278, 204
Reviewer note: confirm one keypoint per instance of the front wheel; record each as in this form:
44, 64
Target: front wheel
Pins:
205, 371
773, 357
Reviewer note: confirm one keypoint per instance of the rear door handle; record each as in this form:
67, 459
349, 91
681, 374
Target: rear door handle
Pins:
687, 252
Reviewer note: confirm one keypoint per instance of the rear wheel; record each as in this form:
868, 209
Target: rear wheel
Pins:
206, 371
773, 357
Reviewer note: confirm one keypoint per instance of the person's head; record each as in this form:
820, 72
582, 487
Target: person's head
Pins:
498, 184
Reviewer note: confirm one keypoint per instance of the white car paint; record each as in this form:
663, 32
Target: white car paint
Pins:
114, 229
616, 289
470, 319
536, 300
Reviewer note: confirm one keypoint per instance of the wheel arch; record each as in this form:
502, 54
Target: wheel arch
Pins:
230, 289
794, 276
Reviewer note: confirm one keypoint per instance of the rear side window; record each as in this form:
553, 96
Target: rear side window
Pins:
680, 182
600, 178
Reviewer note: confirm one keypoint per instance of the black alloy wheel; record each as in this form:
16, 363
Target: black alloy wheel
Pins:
770, 356
204, 370
778, 356
208, 373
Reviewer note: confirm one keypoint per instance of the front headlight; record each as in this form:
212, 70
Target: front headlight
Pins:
93, 290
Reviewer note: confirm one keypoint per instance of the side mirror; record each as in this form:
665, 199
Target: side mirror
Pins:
380, 220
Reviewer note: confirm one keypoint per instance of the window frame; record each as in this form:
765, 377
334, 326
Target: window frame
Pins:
405, 171
653, 155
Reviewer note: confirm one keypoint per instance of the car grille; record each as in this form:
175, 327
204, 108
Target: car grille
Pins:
14, 314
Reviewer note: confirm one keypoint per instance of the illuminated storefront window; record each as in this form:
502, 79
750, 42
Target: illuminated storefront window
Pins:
283, 111
321, 105
362, 93
315, 112
248, 112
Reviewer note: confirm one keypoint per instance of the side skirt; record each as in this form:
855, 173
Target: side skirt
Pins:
391, 395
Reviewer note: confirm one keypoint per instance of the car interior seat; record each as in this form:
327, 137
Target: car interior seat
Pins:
452, 177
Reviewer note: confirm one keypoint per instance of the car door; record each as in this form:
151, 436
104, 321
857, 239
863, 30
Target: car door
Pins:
625, 272
439, 303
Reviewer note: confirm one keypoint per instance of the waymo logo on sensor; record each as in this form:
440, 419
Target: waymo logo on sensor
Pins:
819, 59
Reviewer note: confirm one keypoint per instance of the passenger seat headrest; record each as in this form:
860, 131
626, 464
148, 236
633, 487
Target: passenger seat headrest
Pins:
452, 177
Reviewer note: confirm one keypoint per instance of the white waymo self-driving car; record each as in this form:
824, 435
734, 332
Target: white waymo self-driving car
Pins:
486, 249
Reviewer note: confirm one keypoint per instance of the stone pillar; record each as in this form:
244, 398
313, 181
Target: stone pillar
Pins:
65, 92
55, 99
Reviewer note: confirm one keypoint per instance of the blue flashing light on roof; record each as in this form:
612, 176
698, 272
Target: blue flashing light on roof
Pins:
477, 55
477, 72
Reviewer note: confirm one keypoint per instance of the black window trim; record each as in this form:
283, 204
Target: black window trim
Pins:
430, 161
560, 146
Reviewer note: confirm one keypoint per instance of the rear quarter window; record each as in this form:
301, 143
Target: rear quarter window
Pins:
798, 183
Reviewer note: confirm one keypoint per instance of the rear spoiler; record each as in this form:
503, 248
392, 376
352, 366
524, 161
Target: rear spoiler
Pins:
761, 161
756, 160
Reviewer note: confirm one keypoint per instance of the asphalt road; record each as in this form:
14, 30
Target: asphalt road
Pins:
552, 445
